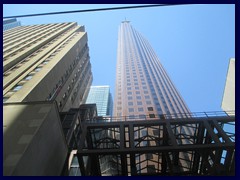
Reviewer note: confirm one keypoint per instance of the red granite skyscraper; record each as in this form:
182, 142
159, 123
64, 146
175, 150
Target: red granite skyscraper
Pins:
142, 85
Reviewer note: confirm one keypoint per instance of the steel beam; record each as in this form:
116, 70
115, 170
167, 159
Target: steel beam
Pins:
221, 132
200, 152
211, 133
155, 149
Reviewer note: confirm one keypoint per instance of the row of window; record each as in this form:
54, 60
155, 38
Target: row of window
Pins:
29, 44
36, 53
9, 36
82, 68
35, 35
37, 69
140, 109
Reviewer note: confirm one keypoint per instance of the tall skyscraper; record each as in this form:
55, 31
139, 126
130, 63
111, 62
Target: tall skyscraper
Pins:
47, 62
102, 97
145, 91
10, 23
142, 85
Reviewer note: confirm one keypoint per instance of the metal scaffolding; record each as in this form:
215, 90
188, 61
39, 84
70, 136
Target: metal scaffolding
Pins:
190, 144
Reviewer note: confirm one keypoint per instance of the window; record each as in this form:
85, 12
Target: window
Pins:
130, 98
38, 69
148, 156
152, 115
131, 117
128, 88
148, 102
139, 103
150, 108
144, 132
156, 132
129, 93
64, 96
60, 104
130, 109
147, 97
137, 92
16, 88
138, 97
142, 116
140, 109
28, 77
130, 103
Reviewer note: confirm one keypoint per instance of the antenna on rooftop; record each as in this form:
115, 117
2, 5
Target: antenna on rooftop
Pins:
126, 21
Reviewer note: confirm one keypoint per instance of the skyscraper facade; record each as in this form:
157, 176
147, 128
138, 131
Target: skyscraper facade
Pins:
102, 97
144, 91
48, 62
10, 23
142, 85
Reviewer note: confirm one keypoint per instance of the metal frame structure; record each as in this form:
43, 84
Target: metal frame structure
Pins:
189, 144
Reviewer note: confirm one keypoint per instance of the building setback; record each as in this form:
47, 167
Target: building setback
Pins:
142, 85
45, 63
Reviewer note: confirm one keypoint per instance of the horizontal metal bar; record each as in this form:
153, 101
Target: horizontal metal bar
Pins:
180, 121
154, 149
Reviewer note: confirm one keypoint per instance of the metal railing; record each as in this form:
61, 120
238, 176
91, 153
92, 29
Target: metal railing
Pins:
162, 116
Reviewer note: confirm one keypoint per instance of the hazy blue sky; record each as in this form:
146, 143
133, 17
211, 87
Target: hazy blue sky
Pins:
193, 42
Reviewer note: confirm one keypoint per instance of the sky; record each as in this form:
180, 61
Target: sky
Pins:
193, 42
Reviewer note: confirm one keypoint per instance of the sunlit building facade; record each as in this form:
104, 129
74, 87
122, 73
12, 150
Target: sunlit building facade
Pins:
46, 70
142, 85
48, 62
144, 91
228, 100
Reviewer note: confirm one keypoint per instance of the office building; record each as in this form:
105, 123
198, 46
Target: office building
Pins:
102, 97
46, 70
142, 85
228, 101
48, 62
9, 24
144, 91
